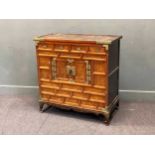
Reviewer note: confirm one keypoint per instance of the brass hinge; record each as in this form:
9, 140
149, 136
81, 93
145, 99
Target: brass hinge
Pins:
54, 68
88, 71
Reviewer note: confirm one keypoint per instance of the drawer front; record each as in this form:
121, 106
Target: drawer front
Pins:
75, 75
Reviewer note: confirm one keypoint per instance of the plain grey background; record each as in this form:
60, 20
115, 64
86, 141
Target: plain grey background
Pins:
137, 54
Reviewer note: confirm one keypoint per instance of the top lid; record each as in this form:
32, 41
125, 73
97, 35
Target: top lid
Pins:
82, 38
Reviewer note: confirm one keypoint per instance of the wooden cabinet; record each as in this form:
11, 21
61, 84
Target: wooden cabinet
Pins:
79, 72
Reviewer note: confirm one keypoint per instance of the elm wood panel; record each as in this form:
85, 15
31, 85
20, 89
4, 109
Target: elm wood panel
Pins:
73, 102
75, 95
43, 61
57, 99
68, 82
47, 53
47, 96
70, 89
79, 49
80, 67
79, 56
45, 47
96, 50
43, 53
96, 98
95, 91
71, 48
47, 92
74, 88
63, 93
93, 57
61, 73
99, 67
71, 83
44, 68
61, 48
88, 104
45, 74
80, 96
75, 48
100, 81
50, 85
70, 55
93, 53
83, 108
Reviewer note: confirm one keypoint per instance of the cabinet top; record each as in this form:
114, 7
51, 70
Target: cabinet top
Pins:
79, 38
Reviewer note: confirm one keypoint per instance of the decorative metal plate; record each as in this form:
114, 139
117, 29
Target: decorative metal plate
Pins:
88, 71
54, 68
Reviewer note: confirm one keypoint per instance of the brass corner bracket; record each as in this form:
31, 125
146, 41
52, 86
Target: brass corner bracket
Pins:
108, 109
105, 44
37, 40
106, 47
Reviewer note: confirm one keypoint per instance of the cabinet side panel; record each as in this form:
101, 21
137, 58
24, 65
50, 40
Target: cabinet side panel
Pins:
113, 56
113, 86
113, 70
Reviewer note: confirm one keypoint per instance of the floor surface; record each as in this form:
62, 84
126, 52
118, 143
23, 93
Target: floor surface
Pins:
20, 115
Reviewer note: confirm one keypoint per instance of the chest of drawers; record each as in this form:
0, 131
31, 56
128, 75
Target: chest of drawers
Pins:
79, 72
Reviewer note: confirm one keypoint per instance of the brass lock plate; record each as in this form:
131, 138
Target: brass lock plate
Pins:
70, 68
67, 69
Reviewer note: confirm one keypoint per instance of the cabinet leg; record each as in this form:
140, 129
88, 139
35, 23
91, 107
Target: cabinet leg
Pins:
117, 106
107, 122
44, 107
41, 106
107, 119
